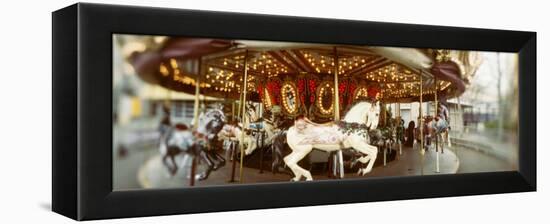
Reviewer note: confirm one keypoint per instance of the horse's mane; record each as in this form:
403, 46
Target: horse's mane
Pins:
357, 101
217, 113
358, 112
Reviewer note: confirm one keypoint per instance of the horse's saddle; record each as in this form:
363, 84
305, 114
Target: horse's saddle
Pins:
257, 125
314, 133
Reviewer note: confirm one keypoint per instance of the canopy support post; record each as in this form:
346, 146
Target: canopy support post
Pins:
242, 109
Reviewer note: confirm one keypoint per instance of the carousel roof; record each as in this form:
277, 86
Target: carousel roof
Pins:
176, 62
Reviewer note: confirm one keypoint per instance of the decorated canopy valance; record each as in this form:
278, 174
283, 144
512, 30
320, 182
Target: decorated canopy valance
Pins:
177, 64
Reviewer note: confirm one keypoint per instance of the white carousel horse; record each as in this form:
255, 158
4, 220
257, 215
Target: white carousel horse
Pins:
233, 132
306, 135
263, 123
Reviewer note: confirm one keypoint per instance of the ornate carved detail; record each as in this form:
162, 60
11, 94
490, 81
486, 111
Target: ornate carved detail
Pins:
325, 94
289, 98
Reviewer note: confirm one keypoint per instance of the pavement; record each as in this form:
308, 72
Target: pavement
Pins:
140, 167
152, 174
475, 161
504, 149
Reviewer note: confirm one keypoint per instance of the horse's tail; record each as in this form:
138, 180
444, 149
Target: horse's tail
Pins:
287, 137
279, 139
165, 134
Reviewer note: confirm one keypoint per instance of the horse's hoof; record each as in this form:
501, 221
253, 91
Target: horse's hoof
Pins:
366, 170
200, 177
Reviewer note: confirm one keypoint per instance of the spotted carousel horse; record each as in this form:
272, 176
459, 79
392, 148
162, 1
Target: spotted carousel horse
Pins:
179, 140
305, 135
232, 133
268, 123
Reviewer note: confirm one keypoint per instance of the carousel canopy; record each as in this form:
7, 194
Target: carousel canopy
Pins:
176, 63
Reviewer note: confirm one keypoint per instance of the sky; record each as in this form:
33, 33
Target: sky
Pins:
485, 79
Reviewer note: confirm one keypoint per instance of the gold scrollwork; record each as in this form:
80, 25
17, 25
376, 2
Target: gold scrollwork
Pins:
360, 92
289, 98
266, 100
325, 99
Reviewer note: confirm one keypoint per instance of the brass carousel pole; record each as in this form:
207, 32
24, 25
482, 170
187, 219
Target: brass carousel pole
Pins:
421, 127
240, 104
233, 110
196, 120
437, 151
232, 145
242, 109
336, 96
337, 109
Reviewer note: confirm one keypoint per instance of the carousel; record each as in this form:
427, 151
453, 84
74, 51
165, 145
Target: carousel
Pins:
289, 107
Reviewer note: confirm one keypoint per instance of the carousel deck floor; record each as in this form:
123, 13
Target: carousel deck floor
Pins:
153, 174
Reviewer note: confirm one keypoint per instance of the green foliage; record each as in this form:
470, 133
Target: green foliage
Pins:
349, 128
493, 124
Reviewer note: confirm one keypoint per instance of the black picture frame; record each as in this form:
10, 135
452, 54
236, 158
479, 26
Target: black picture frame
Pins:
82, 111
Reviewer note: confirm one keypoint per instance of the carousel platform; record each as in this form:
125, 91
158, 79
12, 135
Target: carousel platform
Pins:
154, 175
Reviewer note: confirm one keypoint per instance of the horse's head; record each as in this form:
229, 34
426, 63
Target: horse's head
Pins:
229, 130
364, 112
428, 119
373, 115
211, 122
251, 112
176, 137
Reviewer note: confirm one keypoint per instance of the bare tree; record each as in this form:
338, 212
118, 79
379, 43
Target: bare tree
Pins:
499, 100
